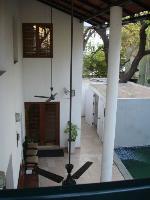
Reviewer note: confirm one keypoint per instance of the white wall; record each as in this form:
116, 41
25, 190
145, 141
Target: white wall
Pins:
85, 85
89, 106
133, 127
10, 92
36, 71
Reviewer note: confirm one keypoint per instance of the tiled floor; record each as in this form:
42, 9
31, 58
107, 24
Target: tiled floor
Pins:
91, 150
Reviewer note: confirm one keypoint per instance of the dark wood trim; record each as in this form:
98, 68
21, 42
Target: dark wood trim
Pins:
67, 11
26, 107
124, 9
31, 181
105, 10
96, 9
101, 18
140, 4
27, 180
42, 123
90, 5
30, 102
21, 177
59, 8
58, 122
97, 12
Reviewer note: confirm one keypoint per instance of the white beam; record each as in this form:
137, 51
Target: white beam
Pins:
112, 92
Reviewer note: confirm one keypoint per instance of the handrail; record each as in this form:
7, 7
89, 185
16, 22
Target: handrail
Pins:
120, 190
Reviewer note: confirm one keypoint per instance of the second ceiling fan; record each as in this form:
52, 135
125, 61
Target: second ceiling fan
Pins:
52, 96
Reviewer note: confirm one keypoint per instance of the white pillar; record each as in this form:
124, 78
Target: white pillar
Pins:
112, 93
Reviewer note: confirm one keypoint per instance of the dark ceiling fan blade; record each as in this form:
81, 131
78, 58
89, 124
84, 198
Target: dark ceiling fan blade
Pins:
52, 97
49, 99
54, 177
55, 94
41, 96
82, 169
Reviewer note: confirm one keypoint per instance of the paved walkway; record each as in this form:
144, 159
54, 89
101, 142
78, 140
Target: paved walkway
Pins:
91, 150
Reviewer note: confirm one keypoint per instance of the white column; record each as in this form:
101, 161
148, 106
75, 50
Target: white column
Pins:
112, 93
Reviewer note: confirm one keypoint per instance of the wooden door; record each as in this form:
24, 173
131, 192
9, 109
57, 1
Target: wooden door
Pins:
42, 122
32, 121
51, 123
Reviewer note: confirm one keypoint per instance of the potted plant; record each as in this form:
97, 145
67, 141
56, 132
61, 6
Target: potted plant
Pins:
74, 134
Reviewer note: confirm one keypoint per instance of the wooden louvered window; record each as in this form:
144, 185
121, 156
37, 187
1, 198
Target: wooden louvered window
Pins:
37, 40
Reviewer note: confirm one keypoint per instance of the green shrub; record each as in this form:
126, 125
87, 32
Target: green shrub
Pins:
74, 131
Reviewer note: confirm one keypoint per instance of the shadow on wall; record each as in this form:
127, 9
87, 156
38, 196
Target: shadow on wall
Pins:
9, 175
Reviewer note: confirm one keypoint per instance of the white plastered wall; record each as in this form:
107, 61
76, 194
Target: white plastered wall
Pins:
11, 100
36, 71
36, 76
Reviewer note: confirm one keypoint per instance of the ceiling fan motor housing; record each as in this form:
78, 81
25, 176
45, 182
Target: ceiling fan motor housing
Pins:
69, 180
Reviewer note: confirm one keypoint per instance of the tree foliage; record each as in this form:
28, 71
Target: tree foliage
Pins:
135, 38
94, 61
95, 65
129, 41
137, 42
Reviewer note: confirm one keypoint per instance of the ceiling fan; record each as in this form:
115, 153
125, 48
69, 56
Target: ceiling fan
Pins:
52, 96
71, 178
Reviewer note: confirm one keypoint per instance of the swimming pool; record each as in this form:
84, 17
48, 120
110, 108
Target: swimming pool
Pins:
133, 162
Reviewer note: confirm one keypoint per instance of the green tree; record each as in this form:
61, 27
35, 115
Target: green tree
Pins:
133, 48
135, 37
94, 64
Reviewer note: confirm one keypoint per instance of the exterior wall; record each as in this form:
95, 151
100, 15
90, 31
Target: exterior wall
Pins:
36, 72
132, 124
89, 106
85, 84
89, 110
101, 117
133, 127
36, 77
10, 93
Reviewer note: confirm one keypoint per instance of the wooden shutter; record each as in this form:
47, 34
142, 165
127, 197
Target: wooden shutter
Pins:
37, 40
